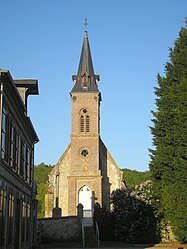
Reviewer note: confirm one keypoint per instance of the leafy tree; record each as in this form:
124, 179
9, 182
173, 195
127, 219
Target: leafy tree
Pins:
139, 194
134, 218
41, 173
169, 156
41, 199
133, 177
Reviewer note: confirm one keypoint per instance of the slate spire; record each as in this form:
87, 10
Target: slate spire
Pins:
85, 80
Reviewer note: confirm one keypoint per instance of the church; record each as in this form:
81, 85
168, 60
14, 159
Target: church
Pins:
86, 173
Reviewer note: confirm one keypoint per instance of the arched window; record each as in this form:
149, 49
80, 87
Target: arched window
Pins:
87, 123
81, 123
84, 121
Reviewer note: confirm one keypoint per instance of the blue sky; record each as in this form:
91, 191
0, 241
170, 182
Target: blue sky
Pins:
129, 42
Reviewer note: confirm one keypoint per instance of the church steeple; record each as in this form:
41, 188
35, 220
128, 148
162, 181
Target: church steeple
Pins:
85, 80
87, 172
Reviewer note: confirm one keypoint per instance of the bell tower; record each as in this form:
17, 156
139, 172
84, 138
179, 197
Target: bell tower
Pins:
85, 135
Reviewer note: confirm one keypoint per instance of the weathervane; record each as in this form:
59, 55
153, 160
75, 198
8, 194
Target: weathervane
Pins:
85, 24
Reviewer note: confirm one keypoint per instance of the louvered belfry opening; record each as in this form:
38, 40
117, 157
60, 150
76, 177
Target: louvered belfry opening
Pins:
84, 121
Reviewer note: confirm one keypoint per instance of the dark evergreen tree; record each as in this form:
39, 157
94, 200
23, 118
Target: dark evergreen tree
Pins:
169, 156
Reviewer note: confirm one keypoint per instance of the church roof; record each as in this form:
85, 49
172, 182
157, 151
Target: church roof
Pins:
85, 80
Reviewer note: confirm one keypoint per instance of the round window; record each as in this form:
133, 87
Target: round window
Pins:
84, 153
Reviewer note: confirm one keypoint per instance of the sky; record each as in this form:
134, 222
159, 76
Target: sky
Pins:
129, 41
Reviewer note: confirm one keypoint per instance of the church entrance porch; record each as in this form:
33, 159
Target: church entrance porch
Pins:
85, 197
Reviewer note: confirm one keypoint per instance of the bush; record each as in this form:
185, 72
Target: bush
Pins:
134, 219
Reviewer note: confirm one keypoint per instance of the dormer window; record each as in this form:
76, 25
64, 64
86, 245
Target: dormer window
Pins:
85, 80
84, 121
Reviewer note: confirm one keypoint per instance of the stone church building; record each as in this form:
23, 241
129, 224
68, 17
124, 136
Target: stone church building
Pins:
86, 173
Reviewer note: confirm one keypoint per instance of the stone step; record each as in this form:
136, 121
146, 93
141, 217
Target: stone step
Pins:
90, 237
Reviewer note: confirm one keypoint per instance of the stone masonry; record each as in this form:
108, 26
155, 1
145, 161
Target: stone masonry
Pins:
86, 165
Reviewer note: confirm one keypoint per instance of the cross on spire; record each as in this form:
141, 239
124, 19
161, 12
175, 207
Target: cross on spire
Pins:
85, 23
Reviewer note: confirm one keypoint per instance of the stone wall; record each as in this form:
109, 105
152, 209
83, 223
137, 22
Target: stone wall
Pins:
60, 229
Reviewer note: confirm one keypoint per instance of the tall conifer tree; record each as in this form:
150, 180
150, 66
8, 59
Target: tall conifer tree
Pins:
169, 157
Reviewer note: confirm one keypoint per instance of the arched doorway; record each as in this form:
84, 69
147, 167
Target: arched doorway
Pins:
85, 198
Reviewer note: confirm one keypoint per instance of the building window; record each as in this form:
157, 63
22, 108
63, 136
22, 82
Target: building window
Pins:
23, 221
84, 153
28, 222
84, 121
10, 218
31, 167
12, 147
2, 216
4, 136
16, 151
28, 167
87, 123
15, 148
19, 156
24, 158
